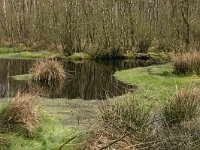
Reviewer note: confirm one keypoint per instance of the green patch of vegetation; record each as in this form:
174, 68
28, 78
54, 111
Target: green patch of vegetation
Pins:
72, 113
23, 77
50, 136
9, 50
155, 82
61, 120
23, 54
16, 53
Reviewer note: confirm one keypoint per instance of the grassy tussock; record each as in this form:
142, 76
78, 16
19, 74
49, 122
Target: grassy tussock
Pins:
150, 128
20, 115
130, 114
47, 71
187, 64
185, 105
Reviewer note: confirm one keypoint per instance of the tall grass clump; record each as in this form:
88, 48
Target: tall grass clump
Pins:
20, 115
122, 122
129, 114
184, 106
187, 63
47, 71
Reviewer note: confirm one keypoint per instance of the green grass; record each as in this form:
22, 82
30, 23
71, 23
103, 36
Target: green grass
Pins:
23, 77
155, 82
61, 120
17, 53
13, 53
51, 135
74, 112
9, 50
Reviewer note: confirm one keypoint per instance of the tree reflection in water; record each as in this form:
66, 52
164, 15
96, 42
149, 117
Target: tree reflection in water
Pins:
89, 80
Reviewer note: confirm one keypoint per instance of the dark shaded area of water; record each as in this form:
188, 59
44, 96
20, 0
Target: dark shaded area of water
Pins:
89, 80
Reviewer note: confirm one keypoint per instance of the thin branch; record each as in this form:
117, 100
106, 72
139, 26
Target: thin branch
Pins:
110, 144
71, 139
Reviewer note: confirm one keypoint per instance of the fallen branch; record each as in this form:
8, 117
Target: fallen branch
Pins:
71, 139
110, 144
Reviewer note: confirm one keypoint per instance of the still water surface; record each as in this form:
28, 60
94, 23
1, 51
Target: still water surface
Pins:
88, 80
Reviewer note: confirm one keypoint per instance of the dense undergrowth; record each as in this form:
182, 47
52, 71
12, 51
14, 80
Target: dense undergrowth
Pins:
135, 124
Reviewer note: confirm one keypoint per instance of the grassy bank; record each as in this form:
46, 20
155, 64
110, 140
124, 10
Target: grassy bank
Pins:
155, 82
163, 113
62, 119
12, 53
16, 53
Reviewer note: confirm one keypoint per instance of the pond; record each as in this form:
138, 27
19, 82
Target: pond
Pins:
88, 80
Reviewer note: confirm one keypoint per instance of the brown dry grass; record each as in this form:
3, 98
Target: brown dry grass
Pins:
187, 63
20, 115
47, 71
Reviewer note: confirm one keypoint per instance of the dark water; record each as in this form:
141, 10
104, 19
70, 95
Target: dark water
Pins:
89, 80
